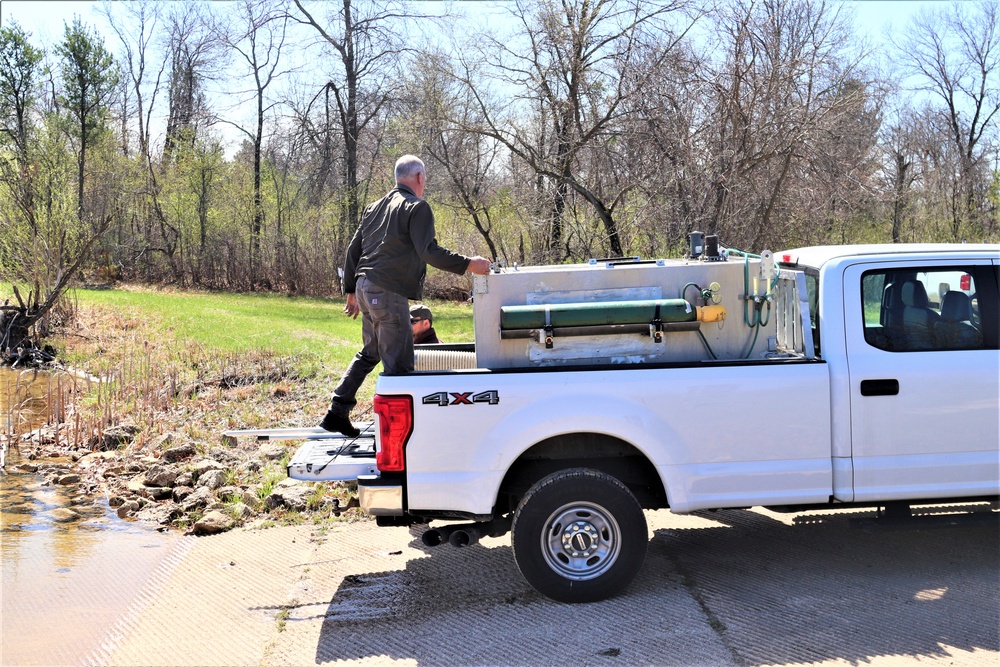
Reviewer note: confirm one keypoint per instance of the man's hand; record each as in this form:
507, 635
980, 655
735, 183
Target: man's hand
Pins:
479, 265
351, 307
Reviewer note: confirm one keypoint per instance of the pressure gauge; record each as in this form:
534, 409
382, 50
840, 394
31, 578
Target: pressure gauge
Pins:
715, 288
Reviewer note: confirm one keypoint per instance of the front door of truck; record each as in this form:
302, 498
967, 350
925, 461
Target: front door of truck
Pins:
924, 367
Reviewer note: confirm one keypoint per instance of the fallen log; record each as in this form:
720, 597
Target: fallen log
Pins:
17, 348
15, 326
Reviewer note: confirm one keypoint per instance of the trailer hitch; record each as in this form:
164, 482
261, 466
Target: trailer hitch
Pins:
339, 509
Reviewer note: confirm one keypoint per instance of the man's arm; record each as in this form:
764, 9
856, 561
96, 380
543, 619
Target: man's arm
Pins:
349, 283
479, 265
424, 240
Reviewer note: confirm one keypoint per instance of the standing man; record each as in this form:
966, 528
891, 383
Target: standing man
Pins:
386, 265
423, 325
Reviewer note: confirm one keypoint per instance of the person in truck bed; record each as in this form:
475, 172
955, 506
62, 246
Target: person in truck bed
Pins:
386, 265
422, 322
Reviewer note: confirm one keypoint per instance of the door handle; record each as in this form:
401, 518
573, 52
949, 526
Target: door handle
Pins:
879, 387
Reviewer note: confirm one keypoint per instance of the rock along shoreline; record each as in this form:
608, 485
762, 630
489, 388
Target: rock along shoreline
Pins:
171, 485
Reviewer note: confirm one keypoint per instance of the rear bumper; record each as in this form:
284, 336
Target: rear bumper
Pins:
380, 497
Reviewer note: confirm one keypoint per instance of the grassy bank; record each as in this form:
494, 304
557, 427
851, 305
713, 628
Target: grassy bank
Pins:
153, 373
241, 322
204, 362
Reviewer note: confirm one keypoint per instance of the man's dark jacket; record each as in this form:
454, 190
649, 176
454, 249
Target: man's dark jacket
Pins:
428, 337
394, 244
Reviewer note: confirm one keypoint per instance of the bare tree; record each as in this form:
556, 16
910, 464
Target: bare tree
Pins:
194, 53
136, 28
917, 174
258, 41
784, 81
314, 119
956, 53
136, 34
841, 162
900, 147
578, 63
439, 113
367, 43
667, 140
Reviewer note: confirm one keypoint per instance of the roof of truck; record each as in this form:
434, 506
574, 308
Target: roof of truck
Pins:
818, 255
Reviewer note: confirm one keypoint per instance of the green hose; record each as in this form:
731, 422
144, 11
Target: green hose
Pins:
700, 334
757, 321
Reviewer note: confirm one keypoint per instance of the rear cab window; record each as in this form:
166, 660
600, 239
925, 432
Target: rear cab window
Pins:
909, 309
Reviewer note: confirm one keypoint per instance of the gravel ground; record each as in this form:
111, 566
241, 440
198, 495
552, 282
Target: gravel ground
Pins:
726, 588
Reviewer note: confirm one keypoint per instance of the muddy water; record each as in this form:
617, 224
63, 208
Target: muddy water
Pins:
22, 400
71, 567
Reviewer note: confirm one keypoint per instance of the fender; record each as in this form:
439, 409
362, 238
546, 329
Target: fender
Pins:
615, 417
473, 474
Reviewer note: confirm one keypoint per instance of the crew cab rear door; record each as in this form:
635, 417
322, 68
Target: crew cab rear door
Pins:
923, 367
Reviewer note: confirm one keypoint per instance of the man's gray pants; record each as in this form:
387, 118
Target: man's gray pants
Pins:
387, 336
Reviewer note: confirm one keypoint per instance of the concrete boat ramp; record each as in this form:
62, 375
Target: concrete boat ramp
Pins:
734, 587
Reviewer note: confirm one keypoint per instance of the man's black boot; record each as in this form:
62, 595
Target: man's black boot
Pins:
335, 423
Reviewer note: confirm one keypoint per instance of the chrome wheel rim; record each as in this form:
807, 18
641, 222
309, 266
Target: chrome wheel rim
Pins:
581, 541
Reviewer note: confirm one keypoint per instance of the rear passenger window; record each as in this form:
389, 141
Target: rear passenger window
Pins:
922, 309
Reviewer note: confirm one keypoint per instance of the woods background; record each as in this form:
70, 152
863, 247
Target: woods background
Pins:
552, 131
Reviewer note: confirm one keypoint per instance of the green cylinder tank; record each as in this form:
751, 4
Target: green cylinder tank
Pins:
595, 314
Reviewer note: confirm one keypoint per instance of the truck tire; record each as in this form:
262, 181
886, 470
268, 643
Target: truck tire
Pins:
579, 535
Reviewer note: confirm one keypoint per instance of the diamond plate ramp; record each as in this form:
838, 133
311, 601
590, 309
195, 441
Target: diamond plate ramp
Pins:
743, 588
219, 606
375, 596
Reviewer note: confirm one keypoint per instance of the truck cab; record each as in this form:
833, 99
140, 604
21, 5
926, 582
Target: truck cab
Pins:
910, 334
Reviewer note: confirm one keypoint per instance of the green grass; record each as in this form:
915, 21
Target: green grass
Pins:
236, 323
198, 363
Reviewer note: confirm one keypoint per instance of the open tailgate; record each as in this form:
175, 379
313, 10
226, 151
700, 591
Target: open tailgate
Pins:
325, 456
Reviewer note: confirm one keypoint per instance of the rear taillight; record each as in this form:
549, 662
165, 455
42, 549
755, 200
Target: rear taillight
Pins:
965, 282
395, 423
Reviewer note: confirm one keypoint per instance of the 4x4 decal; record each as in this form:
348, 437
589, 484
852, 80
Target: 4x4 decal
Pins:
444, 398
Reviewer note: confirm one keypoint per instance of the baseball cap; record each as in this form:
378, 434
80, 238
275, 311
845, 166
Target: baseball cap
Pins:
420, 312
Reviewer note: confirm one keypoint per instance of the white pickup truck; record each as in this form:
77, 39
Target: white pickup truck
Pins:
823, 377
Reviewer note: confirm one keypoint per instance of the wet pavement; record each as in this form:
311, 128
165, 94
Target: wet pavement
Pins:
726, 588
66, 579
70, 567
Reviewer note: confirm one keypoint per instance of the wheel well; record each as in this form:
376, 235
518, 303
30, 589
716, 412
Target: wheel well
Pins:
582, 450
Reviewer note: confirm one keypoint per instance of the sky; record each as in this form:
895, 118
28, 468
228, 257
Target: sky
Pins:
44, 19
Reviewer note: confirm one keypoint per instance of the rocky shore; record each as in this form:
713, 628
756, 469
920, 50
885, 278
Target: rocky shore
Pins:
140, 428
172, 484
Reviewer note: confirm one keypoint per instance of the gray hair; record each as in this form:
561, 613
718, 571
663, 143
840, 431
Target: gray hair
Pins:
408, 166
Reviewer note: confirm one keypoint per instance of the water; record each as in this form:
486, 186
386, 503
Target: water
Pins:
70, 566
22, 400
